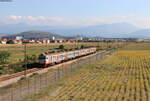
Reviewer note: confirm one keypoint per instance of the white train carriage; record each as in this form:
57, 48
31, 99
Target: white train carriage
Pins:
76, 53
70, 55
48, 59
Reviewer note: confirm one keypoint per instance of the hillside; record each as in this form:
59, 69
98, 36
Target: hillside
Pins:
144, 33
101, 30
34, 35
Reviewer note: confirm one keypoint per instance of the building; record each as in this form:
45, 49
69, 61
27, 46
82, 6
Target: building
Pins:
3, 41
19, 37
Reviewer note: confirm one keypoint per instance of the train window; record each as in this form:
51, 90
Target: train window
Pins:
42, 57
53, 56
61, 56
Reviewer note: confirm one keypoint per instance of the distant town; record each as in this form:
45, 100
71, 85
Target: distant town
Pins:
21, 40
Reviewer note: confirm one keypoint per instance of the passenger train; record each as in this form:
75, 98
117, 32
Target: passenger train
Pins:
46, 59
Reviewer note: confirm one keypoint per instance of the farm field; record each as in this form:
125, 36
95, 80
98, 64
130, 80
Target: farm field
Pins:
17, 50
123, 76
15, 61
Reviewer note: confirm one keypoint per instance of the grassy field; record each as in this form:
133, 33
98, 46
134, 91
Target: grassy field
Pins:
138, 46
123, 76
17, 50
16, 59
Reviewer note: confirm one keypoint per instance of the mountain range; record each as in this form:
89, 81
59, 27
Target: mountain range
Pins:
34, 35
143, 33
120, 30
103, 30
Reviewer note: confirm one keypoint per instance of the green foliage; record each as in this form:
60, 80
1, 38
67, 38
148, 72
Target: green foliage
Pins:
17, 67
1, 70
32, 57
60, 83
22, 78
82, 46
4, 56
34, 74
61, 47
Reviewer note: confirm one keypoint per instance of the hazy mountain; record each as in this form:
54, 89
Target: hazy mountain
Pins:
101, 30
21, 27
34, 35
144, 33
104, 30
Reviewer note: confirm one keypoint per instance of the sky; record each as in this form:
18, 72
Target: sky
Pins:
75, 12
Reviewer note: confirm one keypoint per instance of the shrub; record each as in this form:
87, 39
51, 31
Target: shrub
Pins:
61, 47
4, 56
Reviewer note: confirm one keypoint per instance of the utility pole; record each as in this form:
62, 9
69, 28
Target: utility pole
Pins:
97, 45
102, 44
107, 45
25, 58
77, 43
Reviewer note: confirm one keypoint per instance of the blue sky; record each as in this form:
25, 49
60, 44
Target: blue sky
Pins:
75, 11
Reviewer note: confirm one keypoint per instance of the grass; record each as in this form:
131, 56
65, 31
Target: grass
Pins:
17, 50
123, 76
138, 46
52, 88
16, 59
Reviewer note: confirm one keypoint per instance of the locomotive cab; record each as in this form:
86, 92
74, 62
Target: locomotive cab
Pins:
43, 60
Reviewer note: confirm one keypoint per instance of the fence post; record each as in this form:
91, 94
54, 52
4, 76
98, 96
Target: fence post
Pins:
20, 89
58, 72
1, 98
40, 81
89, 60
12, 95
35, 84
28, 86
55, 76
61, 73
78, 62
65, 71
62, 70
46, 78
70, 67
96, 56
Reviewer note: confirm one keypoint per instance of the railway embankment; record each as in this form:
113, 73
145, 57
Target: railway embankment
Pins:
40, 79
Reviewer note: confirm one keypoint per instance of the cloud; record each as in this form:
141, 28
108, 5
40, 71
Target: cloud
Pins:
143, 22
50, 21
139, 21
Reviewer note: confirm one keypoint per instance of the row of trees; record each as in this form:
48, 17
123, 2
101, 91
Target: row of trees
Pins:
6, 68
4, 55
28, 62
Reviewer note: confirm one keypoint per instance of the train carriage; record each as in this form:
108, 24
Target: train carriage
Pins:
49, 59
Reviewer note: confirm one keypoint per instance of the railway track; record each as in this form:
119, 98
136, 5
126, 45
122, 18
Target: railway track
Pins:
19, 74
5, 78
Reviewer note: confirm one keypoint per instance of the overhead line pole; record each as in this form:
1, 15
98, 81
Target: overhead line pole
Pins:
25, 58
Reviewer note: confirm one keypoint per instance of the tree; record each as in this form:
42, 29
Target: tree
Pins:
4, 56
10, 42
61, 46
31, 58
82, 47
